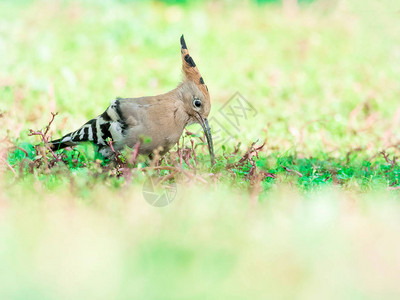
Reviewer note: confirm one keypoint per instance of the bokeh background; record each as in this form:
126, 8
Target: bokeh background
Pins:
324, 72
323, 77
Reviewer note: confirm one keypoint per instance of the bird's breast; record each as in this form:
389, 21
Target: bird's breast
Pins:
155, 126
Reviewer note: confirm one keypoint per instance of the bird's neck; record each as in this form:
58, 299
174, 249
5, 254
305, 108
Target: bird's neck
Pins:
173, 109
180, 116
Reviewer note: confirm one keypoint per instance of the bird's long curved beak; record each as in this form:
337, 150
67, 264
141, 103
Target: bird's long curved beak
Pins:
207, 132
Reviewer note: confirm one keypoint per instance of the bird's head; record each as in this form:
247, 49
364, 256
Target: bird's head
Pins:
195, 96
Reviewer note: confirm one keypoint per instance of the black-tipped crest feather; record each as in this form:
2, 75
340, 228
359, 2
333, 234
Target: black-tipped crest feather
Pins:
183, 43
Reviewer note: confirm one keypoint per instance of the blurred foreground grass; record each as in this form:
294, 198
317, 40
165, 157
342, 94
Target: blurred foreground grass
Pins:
214, 245
324, 83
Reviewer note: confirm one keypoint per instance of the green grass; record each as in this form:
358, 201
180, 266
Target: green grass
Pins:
313, 214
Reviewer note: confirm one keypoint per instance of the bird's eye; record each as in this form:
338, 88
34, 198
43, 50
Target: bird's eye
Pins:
196, 102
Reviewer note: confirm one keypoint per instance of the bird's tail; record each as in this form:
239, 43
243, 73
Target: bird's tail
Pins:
84, 134
62, 143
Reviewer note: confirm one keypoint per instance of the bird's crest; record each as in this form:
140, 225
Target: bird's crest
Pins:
190, 70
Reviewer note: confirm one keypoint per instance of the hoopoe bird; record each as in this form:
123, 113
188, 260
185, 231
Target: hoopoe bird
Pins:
160, 119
